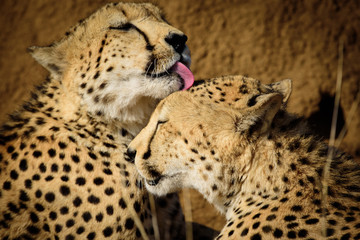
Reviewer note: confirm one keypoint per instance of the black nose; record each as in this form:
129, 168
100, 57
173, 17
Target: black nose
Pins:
130, 155
177, 41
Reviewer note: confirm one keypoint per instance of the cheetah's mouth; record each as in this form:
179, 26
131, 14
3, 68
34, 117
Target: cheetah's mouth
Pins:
156, 181
180, 69
153, 182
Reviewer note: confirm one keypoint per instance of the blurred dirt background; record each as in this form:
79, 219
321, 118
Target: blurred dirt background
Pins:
269, 40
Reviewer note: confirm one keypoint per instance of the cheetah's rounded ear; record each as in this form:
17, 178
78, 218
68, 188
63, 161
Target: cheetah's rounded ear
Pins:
258, 118
283, 87
50, 58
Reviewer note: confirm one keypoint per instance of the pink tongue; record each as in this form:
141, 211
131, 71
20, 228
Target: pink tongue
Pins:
185, 74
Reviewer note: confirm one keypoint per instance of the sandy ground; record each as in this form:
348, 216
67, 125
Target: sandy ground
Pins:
269, 40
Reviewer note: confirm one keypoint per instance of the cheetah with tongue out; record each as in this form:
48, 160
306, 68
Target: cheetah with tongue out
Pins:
232, 140
63, 172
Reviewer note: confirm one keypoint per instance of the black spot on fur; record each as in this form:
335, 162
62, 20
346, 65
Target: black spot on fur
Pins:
271, 217
49, 197
99, 217
129, 223
93, 199
198, 82
77, 202
252, 101
33, 230
86, 216
97, 74
23, 165
244, 232
107, 232
24, 196
52, 152
278, 233
64, 190
312, 221
122, 203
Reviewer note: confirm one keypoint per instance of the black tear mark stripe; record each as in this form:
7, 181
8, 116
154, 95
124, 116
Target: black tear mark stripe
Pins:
123, 27
147, 154
128, 26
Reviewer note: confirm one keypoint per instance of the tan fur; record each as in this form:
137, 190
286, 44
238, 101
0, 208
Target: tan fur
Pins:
232, 140
62, 164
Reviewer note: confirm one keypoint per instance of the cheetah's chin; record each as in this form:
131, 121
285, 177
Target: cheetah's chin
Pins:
160, 180
153, 182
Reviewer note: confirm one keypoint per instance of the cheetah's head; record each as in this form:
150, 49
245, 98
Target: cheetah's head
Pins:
193, 134
119, 62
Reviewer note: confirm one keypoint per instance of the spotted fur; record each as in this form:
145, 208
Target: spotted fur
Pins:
232, 140
63, 172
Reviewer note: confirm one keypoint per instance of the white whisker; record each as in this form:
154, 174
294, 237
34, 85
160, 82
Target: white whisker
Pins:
147, 70
154, 217
143, 19
155, 66
326, 171
188, 214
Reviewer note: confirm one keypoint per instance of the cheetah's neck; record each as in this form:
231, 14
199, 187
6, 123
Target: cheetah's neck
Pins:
288, 164
52, 100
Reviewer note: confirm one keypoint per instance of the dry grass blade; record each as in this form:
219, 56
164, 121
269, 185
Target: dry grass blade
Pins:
326, 171
188, 214
138, 222
154, 217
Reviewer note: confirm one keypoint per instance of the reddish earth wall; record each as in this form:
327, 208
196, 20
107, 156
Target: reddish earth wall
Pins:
270, 40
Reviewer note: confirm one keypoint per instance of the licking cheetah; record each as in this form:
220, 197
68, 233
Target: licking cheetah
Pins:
63, 172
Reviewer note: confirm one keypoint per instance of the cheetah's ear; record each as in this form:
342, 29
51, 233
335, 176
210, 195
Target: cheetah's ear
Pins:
283, 87
258, 117
50, 58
